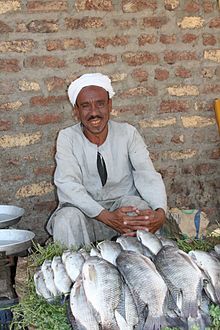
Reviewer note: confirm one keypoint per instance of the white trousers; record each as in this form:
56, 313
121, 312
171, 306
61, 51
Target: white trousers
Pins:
70, 227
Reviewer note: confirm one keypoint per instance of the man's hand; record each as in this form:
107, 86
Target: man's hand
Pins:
123, 223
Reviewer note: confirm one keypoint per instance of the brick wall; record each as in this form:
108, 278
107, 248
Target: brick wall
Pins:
164, 61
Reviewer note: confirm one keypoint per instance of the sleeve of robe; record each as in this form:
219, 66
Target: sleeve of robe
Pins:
147, 180
68, 179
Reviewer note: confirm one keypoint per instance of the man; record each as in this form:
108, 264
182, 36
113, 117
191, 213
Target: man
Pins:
106, 182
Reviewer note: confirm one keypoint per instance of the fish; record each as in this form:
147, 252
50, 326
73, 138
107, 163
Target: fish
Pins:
40, 286
210, 265
151, 241
61, 279
94, 252
81, 309
109, 250
167, 241
144, 281
184, 279
133, 244
73, 262
65, 254
84, 253
102, 284
49, 277
126, 313
217, 248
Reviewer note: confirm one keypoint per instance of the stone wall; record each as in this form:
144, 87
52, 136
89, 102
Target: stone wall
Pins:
163, 58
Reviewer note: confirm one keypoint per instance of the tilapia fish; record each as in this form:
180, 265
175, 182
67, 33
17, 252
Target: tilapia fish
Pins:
73, 262
151, 241
61, 279
133, 244
146, 283
183, 277
126, 313
81, 309
102, 284
49, 278
109, 250
40, 286
210, 265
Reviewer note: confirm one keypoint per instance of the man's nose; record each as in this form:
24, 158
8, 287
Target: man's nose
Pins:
93, 107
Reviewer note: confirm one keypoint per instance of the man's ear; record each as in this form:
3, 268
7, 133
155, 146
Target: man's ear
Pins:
110, 105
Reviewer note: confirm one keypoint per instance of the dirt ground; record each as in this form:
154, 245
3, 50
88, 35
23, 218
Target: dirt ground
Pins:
21, 276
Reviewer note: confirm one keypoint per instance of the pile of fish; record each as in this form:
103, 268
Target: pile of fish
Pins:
143, 282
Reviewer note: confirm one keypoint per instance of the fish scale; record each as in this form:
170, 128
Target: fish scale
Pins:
145, 282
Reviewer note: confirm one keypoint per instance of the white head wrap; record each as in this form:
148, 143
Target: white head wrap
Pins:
89, 79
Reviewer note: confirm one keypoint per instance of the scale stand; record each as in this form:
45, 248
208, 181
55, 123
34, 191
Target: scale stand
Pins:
8, 295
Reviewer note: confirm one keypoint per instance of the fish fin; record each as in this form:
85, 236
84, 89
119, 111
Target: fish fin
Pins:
70, 318
179, 300
121, 321
155, 323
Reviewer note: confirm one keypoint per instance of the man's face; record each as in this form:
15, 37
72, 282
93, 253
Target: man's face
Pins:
93, 108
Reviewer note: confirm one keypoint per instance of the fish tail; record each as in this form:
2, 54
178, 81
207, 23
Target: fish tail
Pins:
122, 323
109, 325
155, 323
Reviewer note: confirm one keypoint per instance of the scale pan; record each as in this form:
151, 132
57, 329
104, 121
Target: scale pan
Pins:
14, 241
10, 215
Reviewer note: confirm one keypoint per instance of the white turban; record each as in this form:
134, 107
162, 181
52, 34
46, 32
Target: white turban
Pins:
89, 79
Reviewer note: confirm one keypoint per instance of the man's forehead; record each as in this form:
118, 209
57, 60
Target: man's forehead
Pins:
91, 91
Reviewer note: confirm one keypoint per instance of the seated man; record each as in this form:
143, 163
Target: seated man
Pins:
106, 182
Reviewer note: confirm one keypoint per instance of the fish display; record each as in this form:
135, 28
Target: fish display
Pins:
136, 283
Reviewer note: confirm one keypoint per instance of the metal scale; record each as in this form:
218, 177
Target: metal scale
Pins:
13, 242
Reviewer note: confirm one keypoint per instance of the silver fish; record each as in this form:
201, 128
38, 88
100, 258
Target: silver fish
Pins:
133, 244
40, 286
183, 277
151, 241
61, 279
49, 277
73, 263
65, 254
94, 252
102, 283
84, 253
126, 313
167, 241
211, 267
145, 282
109, 250
81, 308
217, 248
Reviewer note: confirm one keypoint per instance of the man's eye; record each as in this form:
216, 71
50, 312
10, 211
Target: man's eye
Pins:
101, 104
85, 106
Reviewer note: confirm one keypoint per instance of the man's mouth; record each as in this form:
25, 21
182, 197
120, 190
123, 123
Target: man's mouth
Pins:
95, 121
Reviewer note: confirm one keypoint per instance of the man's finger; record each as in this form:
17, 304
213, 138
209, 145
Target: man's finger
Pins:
126, 209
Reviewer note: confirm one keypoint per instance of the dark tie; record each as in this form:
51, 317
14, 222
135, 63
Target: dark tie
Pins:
101, 168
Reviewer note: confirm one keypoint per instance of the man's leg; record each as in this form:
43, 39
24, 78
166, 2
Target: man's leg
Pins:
71, 227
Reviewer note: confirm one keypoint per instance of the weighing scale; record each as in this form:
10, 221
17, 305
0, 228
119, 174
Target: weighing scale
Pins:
12, 243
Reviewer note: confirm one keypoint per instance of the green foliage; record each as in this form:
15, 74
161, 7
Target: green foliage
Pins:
214, 311
206, 244
37, 312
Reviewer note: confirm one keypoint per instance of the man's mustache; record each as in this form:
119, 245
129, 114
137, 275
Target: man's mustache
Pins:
94, 118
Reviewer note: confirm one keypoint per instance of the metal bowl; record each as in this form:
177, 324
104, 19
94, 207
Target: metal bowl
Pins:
10, 215
14, 241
